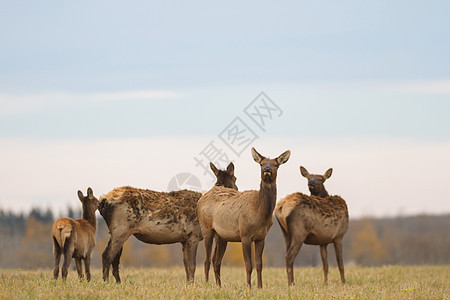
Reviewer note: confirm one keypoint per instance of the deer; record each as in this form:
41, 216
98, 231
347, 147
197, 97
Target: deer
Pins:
154, 218
76, 238
315, 182
318, 219
232, 216
224, 178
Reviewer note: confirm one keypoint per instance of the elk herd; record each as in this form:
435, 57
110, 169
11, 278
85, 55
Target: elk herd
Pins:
221, 215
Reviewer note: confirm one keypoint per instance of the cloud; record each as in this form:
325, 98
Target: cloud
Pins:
440, 86
16, 103
136, 95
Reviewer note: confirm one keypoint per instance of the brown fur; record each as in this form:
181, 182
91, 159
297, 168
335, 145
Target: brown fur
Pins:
314, 221
76, 238
153, 218
231, 216
225, 177
158, 204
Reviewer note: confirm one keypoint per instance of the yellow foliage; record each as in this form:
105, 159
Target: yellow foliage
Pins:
234, 256
157, 255
367, 247
37, 243
126, 258
36, 230
101, 245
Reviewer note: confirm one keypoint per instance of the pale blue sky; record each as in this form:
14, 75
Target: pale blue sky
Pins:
223, 53
317, 116
347, 73
138, 44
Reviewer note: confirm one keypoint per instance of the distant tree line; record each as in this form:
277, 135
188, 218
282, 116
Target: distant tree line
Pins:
25, 242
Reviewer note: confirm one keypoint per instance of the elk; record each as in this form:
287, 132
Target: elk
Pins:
153, 218
315, 182
318, 219
231, 216
226, 177
76, 238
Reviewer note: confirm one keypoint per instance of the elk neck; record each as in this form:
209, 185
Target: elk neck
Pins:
267, 197
323, 192
89, 216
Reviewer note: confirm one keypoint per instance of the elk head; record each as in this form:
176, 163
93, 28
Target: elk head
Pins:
315, 182
269, 166
225, 178
89, 202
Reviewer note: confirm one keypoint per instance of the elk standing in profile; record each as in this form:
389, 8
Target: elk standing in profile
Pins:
153, 218
318, 219
76, 238
232, 216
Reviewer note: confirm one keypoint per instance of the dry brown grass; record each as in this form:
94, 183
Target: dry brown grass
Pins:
389, 282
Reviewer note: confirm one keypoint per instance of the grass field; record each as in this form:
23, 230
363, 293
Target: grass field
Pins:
389, 282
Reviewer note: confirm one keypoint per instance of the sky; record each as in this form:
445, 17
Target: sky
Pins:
112, 93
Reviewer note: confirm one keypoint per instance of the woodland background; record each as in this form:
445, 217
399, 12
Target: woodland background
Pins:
25, 242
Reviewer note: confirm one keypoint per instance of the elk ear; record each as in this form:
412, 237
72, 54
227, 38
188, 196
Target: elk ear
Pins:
256, 156
214, 169
304, 172
328, 173
80, 195
89, 192
283, 157
230, 169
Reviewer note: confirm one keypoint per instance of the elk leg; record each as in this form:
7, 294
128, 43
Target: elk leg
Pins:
323, 255
114, 245
291, 253
115, 266
193, 258
340, 262
221, 246
105, 261
87, 266
189, 256
259, 247
208, 237
79, 267
247, 251
57, 257
68, 252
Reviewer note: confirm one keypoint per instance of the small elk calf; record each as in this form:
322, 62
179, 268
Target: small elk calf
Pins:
76, 238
